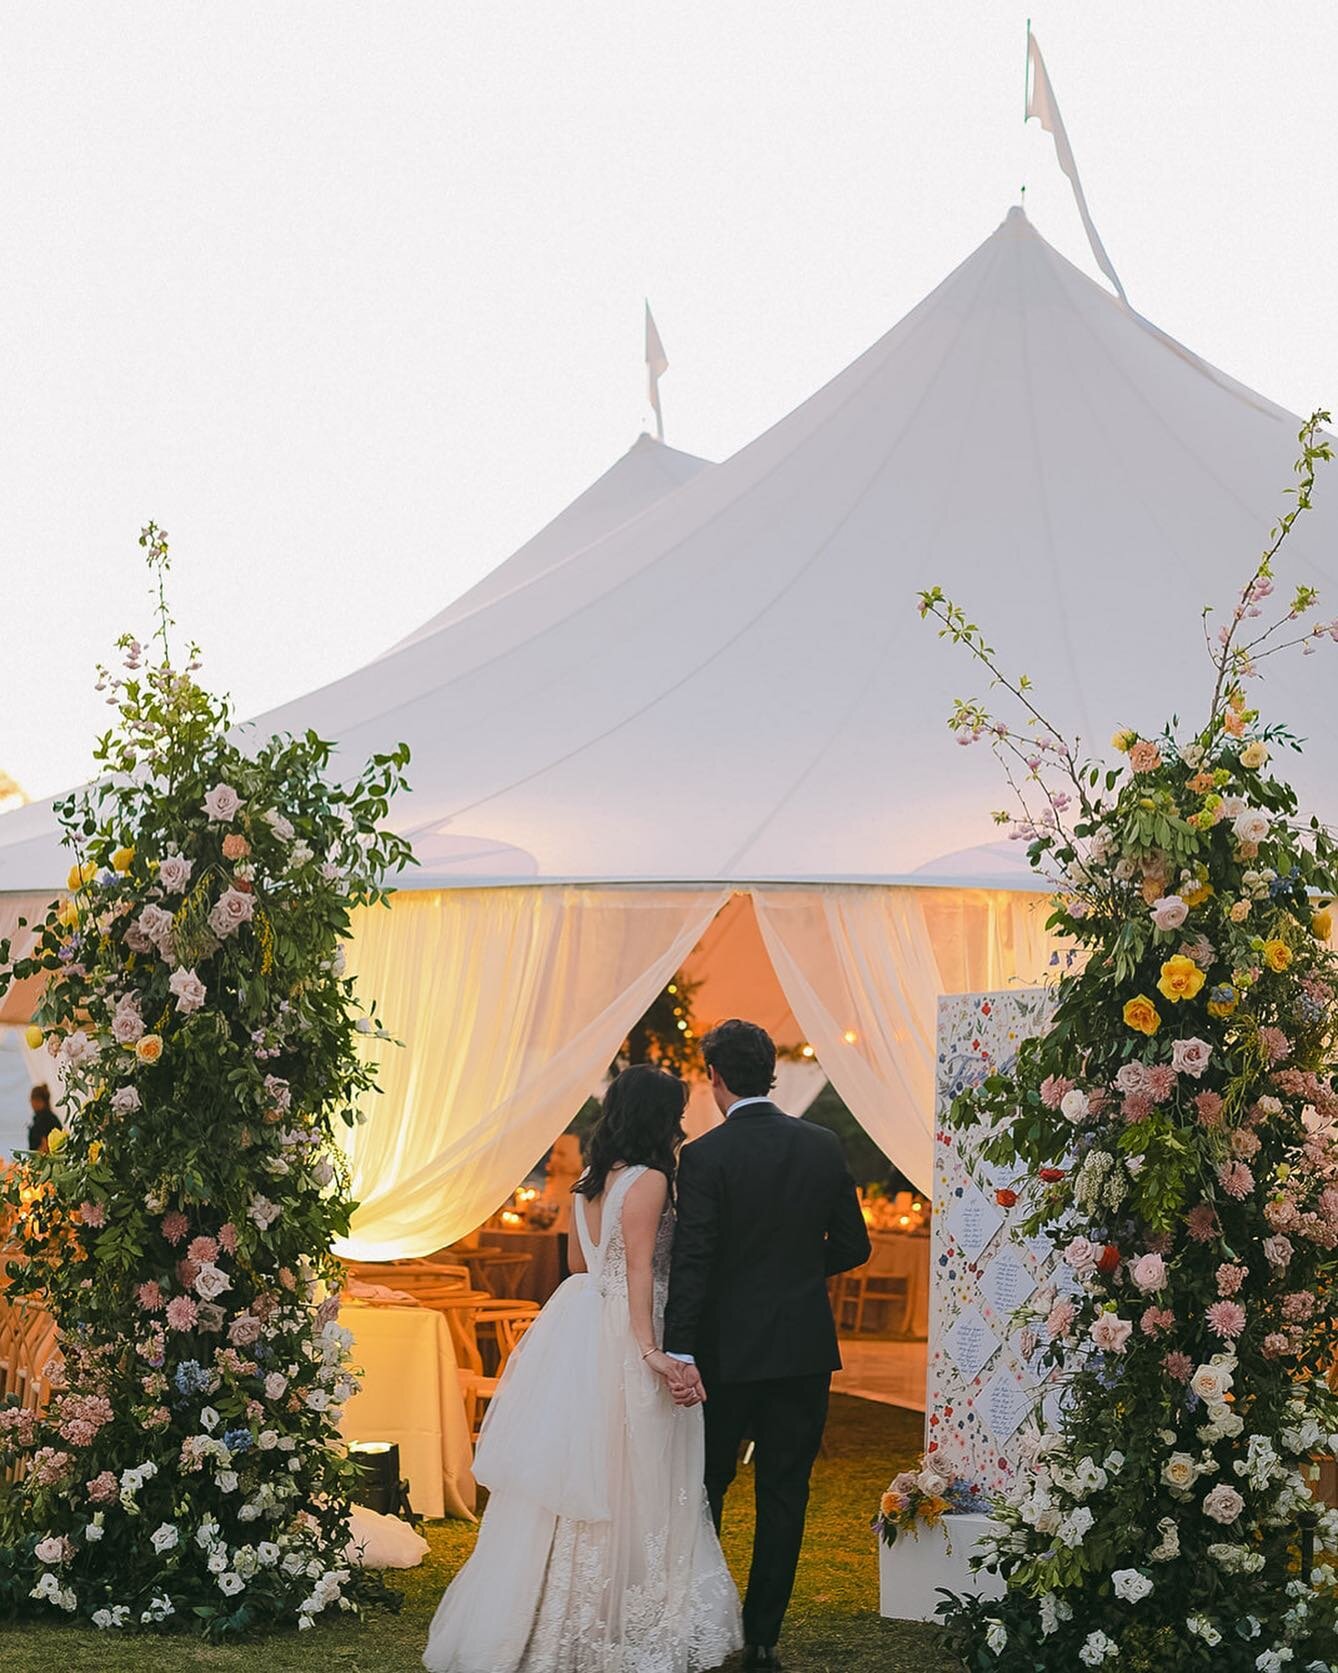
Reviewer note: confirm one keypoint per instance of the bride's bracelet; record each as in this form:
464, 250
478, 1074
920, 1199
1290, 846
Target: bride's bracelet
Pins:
649, 1352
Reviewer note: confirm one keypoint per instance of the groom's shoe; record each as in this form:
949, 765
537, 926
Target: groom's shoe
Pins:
763, 1656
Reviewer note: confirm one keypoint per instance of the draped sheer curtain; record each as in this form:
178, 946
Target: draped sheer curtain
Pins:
509, 1002
863, 967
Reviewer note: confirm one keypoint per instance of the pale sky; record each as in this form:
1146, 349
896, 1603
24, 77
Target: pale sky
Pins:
348, 297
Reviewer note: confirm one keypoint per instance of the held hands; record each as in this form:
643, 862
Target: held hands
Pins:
684, 1381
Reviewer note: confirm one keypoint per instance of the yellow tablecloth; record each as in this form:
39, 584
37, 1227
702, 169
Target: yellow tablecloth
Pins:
411, 1395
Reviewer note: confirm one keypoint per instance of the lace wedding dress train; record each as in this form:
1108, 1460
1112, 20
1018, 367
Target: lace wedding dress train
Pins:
596, 1553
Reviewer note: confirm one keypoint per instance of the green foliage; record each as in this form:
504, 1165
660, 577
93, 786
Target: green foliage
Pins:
1176, 1133
188, 1473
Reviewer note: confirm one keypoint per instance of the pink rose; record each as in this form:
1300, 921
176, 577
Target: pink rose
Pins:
1149, 1273
232, 909
187, 989
1110, 1333
174, 874
275, 1386
1224, 1504
222, 804
1132, 1078
1278, 1251
1082, 1255
127, 1025
1169, 912
1191, 1057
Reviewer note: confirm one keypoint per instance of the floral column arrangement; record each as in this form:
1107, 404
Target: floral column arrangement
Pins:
188, 1472
1176, 1133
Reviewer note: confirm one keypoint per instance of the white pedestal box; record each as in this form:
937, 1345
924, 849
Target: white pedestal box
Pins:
911, 1572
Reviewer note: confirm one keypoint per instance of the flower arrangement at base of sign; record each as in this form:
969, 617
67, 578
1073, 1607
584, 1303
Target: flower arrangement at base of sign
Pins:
188, 1472
924, 1496
1176, 1135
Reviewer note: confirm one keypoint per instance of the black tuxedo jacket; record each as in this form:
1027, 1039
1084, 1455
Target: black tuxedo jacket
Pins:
767, 1211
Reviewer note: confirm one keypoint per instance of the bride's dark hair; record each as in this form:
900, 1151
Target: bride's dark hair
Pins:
641, 1123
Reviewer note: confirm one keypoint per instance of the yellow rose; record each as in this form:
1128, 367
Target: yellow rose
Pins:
122, 859
1321, 925
56, 1140
1277, 954
33, 1036
1124, 740
1197, 895
95, 1152
1254, 755
79, 875
68, 916
1180, 979
149, 1048
1240, 911
890, 1503
1141, 1014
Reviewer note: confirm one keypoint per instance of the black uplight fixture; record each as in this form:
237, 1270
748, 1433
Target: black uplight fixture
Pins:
378, 1480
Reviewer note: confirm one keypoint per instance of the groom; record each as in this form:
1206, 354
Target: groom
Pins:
767, 1212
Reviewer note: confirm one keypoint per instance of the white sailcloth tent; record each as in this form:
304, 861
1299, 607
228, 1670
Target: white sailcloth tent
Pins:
732, 693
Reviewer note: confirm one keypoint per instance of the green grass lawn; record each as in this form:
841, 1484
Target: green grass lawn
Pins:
833, 1625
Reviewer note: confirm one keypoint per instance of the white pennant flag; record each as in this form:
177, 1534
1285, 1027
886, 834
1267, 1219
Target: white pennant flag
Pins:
657, 363
1041, 104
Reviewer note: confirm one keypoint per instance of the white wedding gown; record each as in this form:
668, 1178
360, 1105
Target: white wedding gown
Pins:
596, 1553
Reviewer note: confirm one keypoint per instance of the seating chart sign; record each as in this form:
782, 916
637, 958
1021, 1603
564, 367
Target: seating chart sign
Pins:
982, 1384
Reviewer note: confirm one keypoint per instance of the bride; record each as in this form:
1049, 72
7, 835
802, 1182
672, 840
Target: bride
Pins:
596, 1553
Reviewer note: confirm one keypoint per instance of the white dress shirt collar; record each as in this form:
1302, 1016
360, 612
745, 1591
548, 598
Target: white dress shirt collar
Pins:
740, 1103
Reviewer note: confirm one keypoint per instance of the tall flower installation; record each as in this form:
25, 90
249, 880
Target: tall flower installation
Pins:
1176, 1135
187, 1473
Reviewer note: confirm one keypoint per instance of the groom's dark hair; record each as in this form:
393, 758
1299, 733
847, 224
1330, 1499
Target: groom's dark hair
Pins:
744, 1055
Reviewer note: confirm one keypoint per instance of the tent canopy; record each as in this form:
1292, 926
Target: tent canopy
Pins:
736, 685
733, 683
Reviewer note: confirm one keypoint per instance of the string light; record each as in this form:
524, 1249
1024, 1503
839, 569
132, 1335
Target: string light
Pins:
850, 1036
808, 1051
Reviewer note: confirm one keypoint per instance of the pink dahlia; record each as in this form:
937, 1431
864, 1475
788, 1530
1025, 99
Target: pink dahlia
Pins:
1275, 1043
1236, 1180
150, 1296
93, 1214
1227, 1318
1209, 1107
175, 1225
1137, 1106
1053, 1090
182, 1312
1178, 1365
1202, 1222
202, 1250
1155, 1320
227, 1238
1160, 1084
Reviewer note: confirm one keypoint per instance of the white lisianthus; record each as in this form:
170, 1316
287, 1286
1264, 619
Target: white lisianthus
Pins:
230, 1583
94, 1531
164, 1538
1096, 1649
996, 1636
1199, 1626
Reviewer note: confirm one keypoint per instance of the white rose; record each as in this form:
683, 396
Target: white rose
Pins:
1212, 1382
210, 1282
1179, 1471
1074, 1106
1251, 826
50, 1550
1130, 1585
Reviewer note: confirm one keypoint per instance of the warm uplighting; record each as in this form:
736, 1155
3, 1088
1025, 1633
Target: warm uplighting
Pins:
867, 1212
511, 1218
905, 1220
526, 1193
806, 1051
